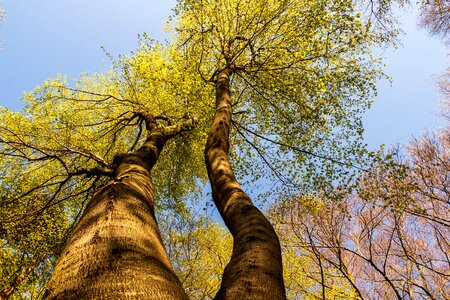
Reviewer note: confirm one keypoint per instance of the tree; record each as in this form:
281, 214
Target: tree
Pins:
70, 167
2, 16
116, 248
264, 50
389, 240
444, 85
308, 274
302, 73
435, 16
199, 249
292, 81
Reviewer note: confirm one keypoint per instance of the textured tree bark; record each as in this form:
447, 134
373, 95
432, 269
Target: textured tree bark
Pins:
255, 267
116, 250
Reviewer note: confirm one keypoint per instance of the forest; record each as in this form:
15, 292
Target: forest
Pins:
228, 162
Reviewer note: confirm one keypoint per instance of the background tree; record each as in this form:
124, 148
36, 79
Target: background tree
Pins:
2, 14
388, 241
2, 17
307, 273
435, 16
199, 249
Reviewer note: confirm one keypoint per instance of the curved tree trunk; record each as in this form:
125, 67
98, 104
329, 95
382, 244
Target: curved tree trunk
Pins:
116, 250
255, 267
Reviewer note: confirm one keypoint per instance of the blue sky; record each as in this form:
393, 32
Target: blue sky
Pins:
46, 37
409, 105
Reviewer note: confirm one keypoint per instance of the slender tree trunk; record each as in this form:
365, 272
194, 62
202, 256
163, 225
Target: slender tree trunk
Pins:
116, 251
255, 267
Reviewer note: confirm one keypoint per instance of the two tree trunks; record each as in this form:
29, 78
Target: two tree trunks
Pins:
116, 250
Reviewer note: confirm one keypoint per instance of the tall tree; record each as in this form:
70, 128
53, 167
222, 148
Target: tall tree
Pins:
116, 249
292, 77
256, 253
272, 54
70, 142
301, 74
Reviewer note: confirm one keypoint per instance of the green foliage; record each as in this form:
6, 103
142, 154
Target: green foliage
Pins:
307, 274
51, 152
303, 76
199, 249
159, 75
34, 272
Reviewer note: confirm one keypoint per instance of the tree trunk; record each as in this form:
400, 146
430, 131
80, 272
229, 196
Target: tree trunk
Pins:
255, 267
116, 250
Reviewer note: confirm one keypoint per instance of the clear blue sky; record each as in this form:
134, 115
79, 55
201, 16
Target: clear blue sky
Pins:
42, 38
46, 37
410, 105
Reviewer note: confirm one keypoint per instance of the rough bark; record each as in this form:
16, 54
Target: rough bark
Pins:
116, 250
255, 267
